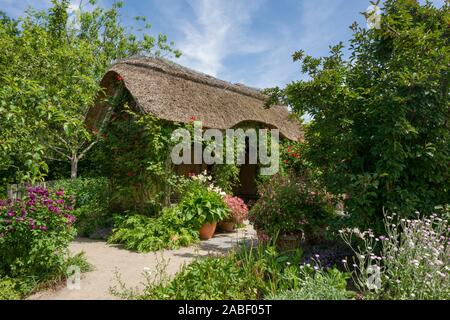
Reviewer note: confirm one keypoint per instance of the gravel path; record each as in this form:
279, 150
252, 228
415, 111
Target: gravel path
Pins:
109, 259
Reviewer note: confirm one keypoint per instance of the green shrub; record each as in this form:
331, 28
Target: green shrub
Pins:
380, 129
290, 205
91, 203
410, 262
143, 234
8, 289
321, 285
35, 233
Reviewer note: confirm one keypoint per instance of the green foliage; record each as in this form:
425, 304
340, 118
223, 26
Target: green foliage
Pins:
292, 205
22, 286
226, 176
380, 130
35, 233
50, 72
8, 289
246, 274
134, 153
200, 205
144, 234
320, 285
175, 226
91, 203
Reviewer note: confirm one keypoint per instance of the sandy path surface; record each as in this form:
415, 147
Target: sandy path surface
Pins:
109, 259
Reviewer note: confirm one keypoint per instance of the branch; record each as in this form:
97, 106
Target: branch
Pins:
63, 141
87, 149
54, 159
60, 152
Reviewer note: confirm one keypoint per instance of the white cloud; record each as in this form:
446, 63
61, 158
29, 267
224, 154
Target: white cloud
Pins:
314, 31
220, 29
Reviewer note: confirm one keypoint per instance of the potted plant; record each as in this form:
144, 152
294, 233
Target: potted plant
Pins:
203, 207
238, 213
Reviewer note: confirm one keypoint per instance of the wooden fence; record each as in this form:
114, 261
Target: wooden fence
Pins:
17, 191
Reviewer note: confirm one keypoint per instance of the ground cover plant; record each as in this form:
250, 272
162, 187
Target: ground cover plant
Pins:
251, 273
143, 234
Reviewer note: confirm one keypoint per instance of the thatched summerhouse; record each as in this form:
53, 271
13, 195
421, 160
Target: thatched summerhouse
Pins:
174, 93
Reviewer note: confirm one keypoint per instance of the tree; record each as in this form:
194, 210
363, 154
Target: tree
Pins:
381, 120
63, 56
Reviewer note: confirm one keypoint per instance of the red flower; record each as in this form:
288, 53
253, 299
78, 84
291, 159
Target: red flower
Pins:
131, 174
286, 161
119, 78
193, 118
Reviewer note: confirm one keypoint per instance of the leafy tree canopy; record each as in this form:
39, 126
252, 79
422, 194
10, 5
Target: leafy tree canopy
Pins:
380, 131
51, 63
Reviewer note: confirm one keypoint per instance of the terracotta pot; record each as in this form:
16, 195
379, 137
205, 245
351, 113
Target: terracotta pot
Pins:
288, 242
227, 226
207, 231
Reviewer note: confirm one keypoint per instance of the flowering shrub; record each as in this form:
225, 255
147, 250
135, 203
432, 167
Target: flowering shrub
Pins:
239, 210
206, 180
411, 262
288, 205
35, 233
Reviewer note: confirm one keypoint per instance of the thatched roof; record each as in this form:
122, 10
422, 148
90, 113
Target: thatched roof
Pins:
175, 93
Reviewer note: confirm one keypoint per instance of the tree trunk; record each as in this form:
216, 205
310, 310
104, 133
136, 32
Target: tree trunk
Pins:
74, 167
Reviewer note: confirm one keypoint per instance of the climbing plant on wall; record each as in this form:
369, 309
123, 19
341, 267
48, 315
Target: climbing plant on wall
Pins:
135, 153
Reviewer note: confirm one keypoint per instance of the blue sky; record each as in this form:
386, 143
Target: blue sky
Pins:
245, 41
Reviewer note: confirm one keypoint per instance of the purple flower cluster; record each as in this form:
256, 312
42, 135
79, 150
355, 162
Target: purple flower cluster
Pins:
40, 210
